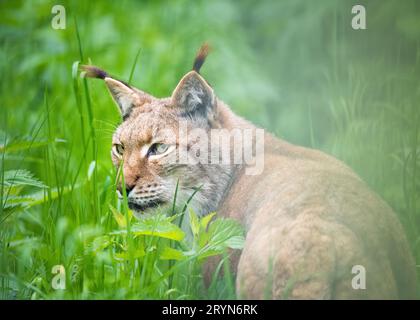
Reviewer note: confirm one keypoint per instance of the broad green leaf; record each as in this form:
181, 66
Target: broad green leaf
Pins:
222, 233
126, 256
169, 253
33, 199
235, 242
21, 177
18, 201
155, 226
204, 221
221, 230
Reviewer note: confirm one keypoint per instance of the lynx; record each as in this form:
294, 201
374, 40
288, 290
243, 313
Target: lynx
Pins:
308, 218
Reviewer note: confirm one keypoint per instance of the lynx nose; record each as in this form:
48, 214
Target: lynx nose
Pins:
130, 182
128, 188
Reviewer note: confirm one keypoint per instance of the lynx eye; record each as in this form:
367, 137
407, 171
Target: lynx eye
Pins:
118, 150
157, 149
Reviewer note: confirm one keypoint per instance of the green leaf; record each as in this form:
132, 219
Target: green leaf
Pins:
128, 256
209, 253
21, 178
120, 218
169, 253
206, 219
98, 244
222, 233
18, 201
155, 226
40, 197
235, 242
15, 202
194, 223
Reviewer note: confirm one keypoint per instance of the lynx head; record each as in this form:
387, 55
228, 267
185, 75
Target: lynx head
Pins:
147, 144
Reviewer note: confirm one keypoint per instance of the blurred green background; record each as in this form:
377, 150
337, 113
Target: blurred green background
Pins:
295, 67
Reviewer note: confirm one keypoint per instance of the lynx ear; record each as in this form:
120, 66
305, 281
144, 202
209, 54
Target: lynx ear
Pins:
193, 95
125, 96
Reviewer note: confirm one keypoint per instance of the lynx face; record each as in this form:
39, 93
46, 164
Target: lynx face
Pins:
146, 152
146, 146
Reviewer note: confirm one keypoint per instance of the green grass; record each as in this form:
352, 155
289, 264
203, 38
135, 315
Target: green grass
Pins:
294, 67
81, 225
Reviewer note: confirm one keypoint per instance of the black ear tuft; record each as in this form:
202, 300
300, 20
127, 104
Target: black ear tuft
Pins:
124, 95
93, 72
201, 57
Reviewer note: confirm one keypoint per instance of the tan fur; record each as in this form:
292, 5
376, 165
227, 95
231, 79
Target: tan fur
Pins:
308, 218
313, 219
